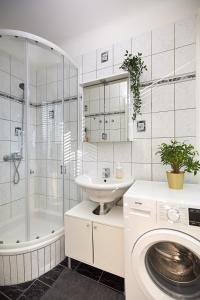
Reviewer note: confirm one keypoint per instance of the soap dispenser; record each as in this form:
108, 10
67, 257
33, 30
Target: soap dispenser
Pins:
119, 172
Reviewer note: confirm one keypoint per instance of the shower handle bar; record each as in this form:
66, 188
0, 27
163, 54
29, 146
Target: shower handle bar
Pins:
63, 169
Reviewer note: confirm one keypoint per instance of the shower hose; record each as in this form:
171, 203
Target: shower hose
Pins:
16, 175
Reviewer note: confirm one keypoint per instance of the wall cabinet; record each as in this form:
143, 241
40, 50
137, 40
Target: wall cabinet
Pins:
106, 107
95, 243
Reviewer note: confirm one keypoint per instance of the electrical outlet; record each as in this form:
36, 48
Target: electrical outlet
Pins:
104, 56
18, 131
104, 136
141, 126
51, 114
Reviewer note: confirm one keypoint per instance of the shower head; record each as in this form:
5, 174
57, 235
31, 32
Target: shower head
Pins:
21, 86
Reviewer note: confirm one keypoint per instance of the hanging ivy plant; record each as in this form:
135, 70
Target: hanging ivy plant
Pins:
135, 66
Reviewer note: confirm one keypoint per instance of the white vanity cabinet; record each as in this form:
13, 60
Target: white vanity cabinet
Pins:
108, 248
78, 237
95, 240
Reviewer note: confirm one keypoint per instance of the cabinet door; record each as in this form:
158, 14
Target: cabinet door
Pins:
108, 248
78, 239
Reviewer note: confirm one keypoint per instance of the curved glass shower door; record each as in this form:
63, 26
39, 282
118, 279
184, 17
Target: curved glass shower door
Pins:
45, 140
38, 137
12, 135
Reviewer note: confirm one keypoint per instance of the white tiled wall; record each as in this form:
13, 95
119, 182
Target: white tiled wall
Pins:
168, 109
157, 46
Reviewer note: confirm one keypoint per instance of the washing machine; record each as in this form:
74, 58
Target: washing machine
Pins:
162, 242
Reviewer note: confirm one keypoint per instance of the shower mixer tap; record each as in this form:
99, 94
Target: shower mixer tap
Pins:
16, 158
12, 156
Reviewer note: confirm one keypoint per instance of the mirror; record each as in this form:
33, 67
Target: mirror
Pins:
105, 108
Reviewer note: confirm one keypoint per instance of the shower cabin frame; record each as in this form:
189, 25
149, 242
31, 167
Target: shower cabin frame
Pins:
13, 250
48, 45
198, 87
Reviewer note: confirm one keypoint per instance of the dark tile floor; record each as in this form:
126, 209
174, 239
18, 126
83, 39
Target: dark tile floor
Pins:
34, 290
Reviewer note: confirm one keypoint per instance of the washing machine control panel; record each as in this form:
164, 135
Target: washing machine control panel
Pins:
173, 214
194, 216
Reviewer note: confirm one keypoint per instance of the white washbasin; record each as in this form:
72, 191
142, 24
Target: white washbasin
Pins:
104, 190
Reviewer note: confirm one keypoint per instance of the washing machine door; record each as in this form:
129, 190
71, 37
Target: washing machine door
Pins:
166, 265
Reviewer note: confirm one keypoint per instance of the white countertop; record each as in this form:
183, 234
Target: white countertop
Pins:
153, 190
84, 210
141, 190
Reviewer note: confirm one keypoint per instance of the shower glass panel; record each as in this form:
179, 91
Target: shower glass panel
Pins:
38, 138
71, 165
12, 140
46, 88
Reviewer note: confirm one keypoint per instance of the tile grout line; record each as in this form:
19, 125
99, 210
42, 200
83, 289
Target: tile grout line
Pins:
63, 269
77, 266
38, 279
2, 293
100, 276
108, 286
98, 281
26, 289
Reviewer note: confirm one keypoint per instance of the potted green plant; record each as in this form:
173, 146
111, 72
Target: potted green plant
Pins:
182, 158
135, 66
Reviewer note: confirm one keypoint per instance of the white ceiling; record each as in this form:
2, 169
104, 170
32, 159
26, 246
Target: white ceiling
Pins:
59, 20
79, 26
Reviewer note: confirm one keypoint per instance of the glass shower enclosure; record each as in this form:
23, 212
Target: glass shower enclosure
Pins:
38, 138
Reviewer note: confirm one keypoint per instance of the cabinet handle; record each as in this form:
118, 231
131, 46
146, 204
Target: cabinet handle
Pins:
88, 225
95, 227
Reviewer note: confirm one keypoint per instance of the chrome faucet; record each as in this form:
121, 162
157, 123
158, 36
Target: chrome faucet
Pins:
106, 172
